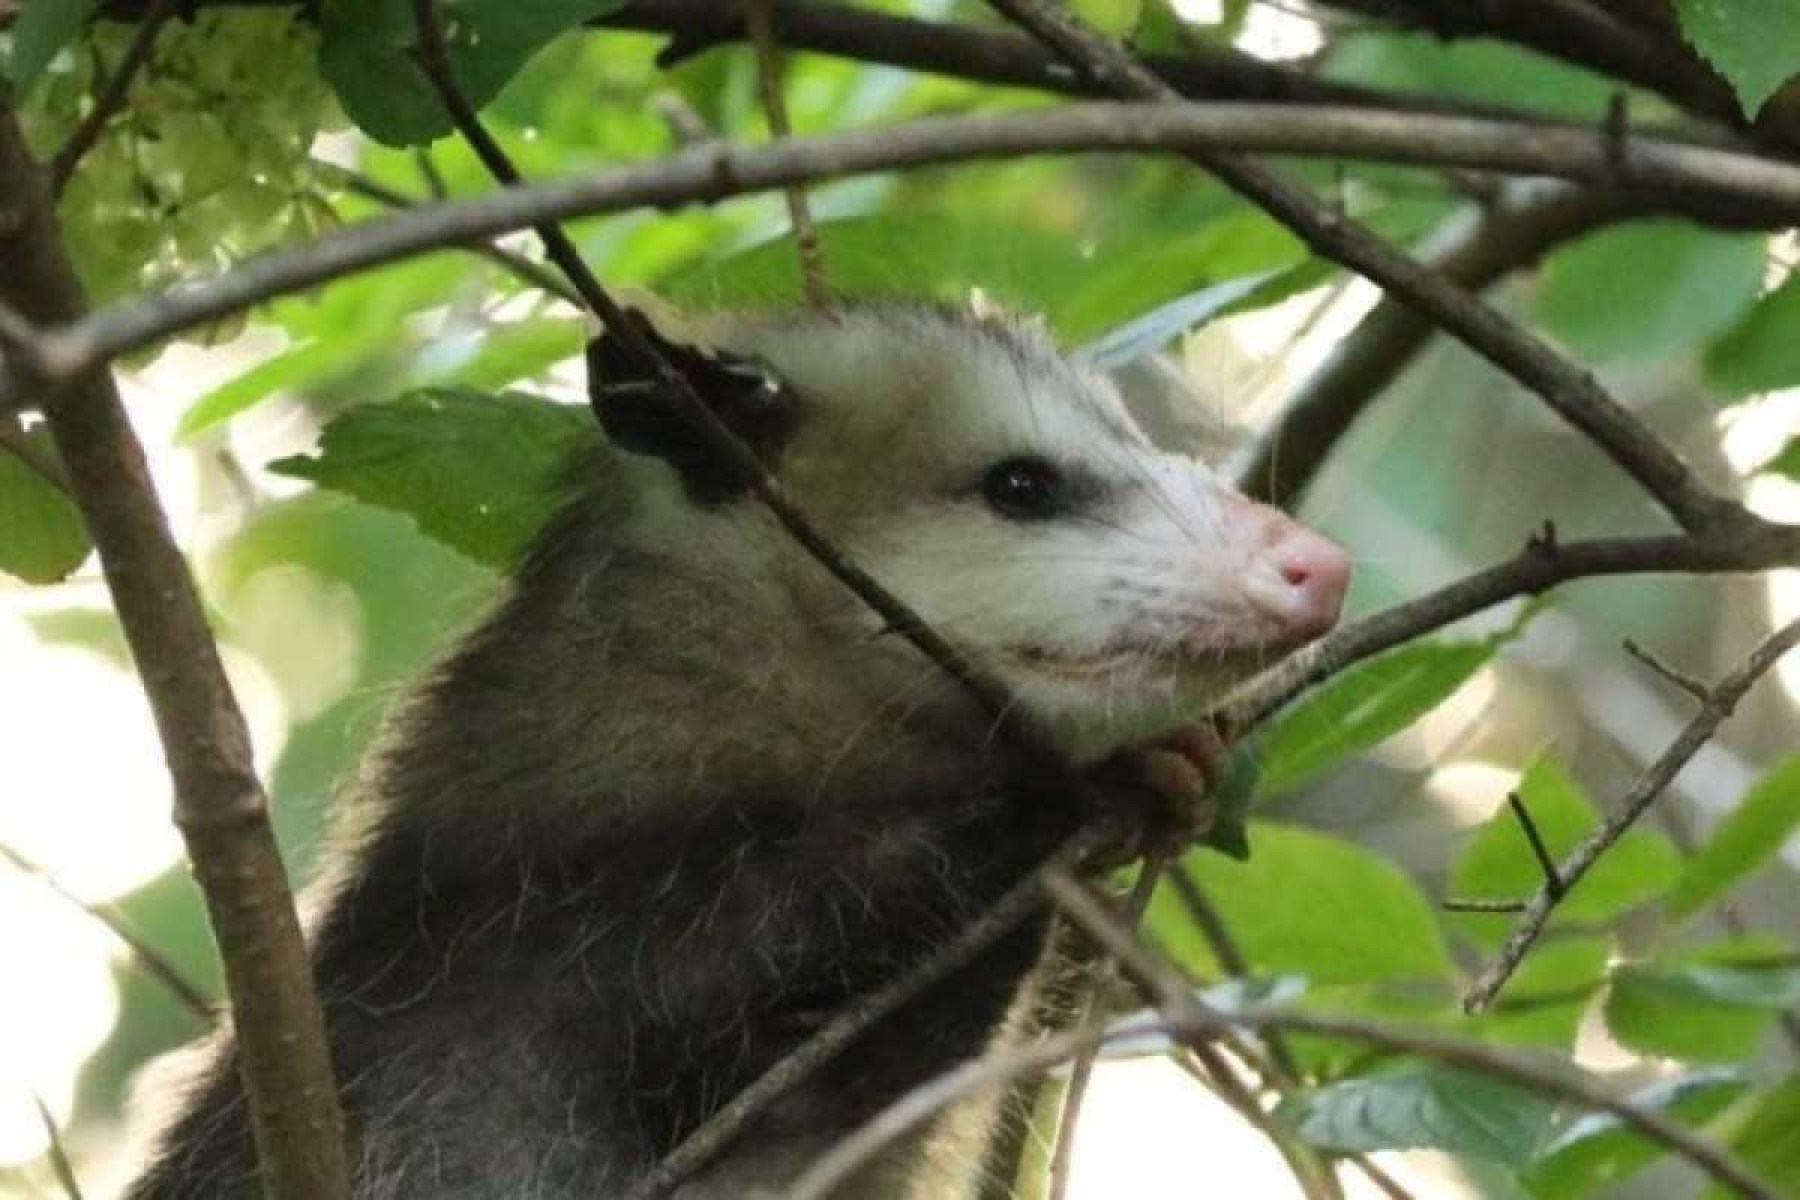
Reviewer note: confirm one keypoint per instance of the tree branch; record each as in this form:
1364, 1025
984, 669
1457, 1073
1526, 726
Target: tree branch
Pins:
711, 173
219, 803
1720, 703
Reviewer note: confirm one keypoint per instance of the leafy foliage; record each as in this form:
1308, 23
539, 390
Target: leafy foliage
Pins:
1649, 288
1307, 904
1361, 707
1425, 1107
1746, 840
505, 453
367, 53
1598, 1150
45, 538
1755, 44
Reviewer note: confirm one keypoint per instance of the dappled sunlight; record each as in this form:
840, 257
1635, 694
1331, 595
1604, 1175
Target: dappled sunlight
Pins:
58, 1003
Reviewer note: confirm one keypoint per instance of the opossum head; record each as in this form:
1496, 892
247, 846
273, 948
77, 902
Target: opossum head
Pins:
1005, 494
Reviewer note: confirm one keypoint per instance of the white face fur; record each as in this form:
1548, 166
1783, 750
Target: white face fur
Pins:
1006, 495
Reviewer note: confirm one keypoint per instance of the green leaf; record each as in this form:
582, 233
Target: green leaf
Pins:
1423, 1107
1762, 351
1649, 289
1129, 280
43, 28
1363, 707
1469, 69
366, 53
1231, 801
1148, 334
518, 350
1307, 904
1786, 461
1769, 1141
1705, 1007
918, 255
1754, 44
284, 371
42, 536
1598, 1149
1745, 841
474, 470
1499, 865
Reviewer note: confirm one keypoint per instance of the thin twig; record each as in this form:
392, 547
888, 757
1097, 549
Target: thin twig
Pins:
1284, 1070
848, 1155
1179, 1003
1553, 878
768, 74
153, 961
111, 97
59, 1154
1573, 393
1483, 906
1093, 1015
1719, 705
1669, 674
714, 172
1313, 1174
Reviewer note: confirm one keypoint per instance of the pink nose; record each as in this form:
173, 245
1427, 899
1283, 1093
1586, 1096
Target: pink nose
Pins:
1296, 577
1316, 572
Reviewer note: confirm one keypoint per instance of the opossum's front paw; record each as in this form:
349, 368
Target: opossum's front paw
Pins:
1182, 773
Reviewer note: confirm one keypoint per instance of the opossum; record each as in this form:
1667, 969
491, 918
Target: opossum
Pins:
681, 794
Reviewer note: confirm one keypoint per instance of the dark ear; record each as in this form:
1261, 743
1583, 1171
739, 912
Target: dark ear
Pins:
638, 414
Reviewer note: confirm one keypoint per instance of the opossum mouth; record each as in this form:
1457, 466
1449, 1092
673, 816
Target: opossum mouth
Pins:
1232, 659
1048, 662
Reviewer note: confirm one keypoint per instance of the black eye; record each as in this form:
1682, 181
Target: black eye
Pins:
1023, 489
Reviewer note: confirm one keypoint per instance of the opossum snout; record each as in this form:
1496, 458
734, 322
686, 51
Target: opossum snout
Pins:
1296, 578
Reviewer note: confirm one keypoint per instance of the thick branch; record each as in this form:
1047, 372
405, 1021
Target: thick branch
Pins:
1719, 704
715, 172
219, 803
